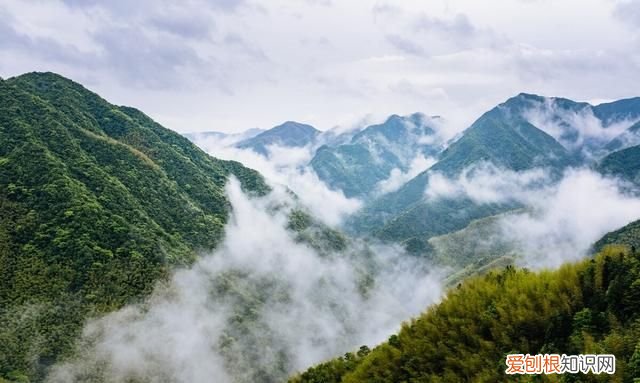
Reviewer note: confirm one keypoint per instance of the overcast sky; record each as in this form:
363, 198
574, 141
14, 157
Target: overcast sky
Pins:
230, 65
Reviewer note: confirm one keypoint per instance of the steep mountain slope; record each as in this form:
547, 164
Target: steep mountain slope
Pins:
97, 202
358, 166
624, 164
501, 137
628, 138
628, 236
590, 307
289, 134
583, 129
612, 112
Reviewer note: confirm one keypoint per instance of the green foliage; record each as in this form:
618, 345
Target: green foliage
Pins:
624, 164
370, 156
589, 307
501, 137
628, 236
97, 203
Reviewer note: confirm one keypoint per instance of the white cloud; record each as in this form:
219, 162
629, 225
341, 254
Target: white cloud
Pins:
485, 183
232, 65
302, 305
558, 221
397, 178
564, 221
574, 129
287, 166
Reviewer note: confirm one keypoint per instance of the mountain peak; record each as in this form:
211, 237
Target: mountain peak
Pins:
294, 125
39, 79
289, 133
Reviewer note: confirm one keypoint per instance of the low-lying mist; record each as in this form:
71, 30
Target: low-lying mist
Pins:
259, 308
287, 166
559, 219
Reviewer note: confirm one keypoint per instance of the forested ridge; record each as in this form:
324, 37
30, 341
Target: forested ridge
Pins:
587, 307
97, 203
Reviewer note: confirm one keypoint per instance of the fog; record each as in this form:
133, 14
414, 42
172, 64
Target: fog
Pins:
397, 177
577, 130
559, 220
261, 307
287, 166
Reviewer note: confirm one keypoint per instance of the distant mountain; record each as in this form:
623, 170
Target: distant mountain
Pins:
616, 111
289, 134
628, 138
525, 132
628, 236
502, 137
624, 164
370, 155
227, 138
97, 203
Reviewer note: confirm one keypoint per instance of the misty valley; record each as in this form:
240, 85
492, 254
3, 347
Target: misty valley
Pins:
403, 250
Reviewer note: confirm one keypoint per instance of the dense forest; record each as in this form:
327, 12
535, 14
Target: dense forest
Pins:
589, 307
97, 202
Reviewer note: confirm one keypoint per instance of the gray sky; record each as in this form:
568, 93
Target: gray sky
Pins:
230, 65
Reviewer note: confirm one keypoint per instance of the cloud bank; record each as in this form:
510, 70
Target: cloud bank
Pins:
558, 220
288, 166
262, 306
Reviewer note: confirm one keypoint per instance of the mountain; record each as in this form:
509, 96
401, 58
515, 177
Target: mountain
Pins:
624, 164
616, 111
501, 137
226, 138
289, 134
583, 129
369, 157
97, 203
587, 308
628, 236
630, 137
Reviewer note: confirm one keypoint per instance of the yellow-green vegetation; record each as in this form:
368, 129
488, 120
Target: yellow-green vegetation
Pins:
97, 203
588, 307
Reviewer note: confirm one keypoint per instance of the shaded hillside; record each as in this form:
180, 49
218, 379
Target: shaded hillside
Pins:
619, 110
628, 138
358, 166
97, 202
624, 164
589, 307
289, 134
628, 236
501, 137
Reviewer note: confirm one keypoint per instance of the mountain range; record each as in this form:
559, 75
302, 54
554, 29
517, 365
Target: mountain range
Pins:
506, 138
99, 204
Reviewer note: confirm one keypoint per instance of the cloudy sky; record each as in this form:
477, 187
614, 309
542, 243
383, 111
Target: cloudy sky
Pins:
230, 65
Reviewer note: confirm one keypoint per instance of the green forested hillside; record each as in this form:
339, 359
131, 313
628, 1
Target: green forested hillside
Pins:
369, 157
97, 202
501, 137
628, 235
589, 307
624, 164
